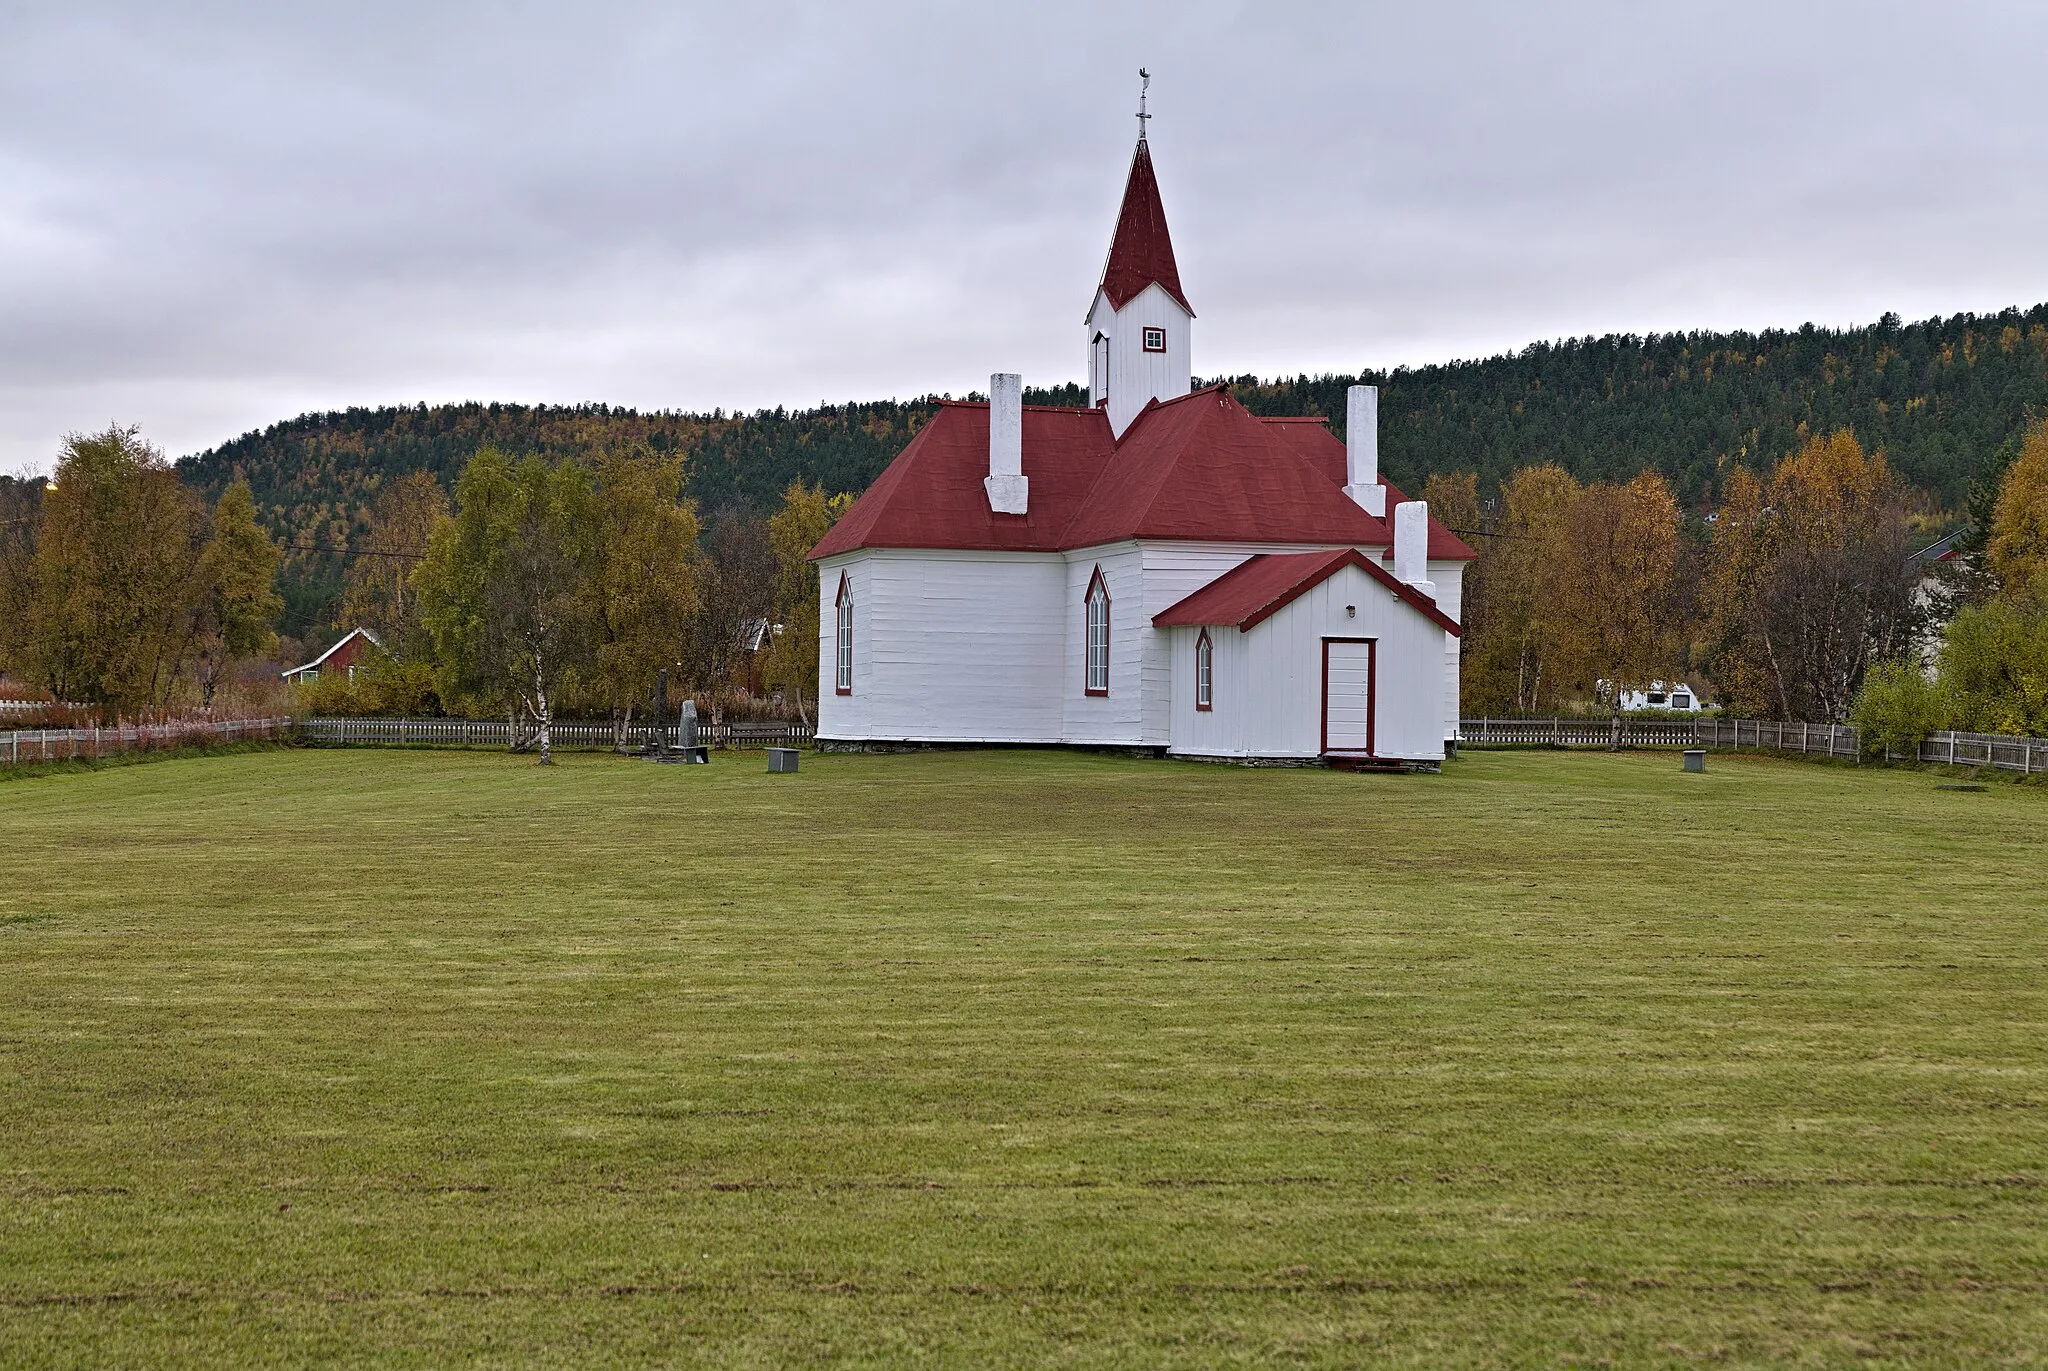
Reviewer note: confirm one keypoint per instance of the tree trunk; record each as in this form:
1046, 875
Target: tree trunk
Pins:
540, 711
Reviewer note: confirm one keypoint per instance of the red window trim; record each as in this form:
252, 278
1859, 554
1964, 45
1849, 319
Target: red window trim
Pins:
1145, 339
1203, 644
845, 589
1098, 579
1372, 694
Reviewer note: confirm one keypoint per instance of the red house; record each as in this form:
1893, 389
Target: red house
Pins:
344, 655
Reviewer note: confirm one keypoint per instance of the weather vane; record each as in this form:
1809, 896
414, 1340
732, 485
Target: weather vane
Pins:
1144, 84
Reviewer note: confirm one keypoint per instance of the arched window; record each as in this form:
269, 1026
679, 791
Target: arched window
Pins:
1095, 681
842, 639
1205, 673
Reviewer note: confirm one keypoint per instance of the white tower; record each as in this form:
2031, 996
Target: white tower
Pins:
1140, 324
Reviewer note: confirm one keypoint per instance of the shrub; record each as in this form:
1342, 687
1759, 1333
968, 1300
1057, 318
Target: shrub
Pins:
1994, 666
383, 686
1897, 707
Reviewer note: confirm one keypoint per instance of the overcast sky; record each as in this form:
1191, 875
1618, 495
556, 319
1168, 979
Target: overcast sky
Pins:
216, 216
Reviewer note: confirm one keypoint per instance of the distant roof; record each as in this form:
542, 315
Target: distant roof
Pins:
1199, 468
1253, 591
340, 643
1938, 552
1141, 252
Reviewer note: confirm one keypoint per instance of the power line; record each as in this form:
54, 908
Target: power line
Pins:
354, 552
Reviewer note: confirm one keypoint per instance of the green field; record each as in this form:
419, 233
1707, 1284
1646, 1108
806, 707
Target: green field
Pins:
1020, 1058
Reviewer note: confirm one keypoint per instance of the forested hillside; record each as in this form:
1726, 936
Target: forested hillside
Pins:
1938, 398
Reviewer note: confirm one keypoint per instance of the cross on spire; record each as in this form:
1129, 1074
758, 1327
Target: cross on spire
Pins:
1144, 84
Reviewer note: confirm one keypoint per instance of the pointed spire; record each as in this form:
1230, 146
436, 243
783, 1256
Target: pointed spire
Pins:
1142, 251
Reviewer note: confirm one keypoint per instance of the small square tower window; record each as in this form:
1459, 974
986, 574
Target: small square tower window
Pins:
1155, 340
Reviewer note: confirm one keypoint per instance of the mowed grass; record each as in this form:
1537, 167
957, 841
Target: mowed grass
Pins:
438, 1059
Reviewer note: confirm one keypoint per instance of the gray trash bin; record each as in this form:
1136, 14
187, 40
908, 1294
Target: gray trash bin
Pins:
1695, 759
782, 758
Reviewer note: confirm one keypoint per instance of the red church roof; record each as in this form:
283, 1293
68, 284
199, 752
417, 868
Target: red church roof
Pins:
1199, 468
1311, 439
1202, 467
1142, 250
1254, 591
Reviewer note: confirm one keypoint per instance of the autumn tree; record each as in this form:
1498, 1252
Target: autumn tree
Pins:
21, 504
647, 581
2017, 551
806, 516
504, 591
1807, 581
1512, 659
236, 602
116, 562
379, 593
1612, 600
1453, 499
739, 587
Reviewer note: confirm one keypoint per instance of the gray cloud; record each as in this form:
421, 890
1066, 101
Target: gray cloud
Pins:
215, 216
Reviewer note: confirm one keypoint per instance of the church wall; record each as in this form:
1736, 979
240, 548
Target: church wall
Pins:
1268, 682
1174, 571
1119, 716
948, 647
1449, 578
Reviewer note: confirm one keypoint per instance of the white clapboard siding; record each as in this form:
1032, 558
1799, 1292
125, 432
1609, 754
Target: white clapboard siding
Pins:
1449, 579
948, 647
1174, 571
1119, 717
1135, 375
1268, 682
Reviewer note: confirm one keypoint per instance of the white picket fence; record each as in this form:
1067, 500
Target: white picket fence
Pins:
25, 745
2024, 755
568, 736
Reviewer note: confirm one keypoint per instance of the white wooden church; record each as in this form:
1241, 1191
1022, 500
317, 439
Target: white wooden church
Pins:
1163, 571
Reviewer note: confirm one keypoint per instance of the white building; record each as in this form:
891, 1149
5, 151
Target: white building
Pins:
1163, 571
1677, 695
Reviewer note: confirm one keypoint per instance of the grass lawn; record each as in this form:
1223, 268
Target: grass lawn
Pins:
434, 1059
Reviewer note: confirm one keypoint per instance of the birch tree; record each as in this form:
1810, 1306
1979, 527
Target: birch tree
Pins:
648, 580
1513, 660
504, 591
237, 603
1616, 561
1808, 581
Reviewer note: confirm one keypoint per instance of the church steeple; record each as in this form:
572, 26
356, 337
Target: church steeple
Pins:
1139, 324
1141, 252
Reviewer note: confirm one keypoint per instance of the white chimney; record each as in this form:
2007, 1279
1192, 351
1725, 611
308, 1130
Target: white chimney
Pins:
1362, 450
1411, 545
1009, 490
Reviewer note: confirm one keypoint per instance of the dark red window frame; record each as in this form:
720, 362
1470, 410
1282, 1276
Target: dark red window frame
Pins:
1088, 634
1204, 648
1148, 335
842, 639
1372, 693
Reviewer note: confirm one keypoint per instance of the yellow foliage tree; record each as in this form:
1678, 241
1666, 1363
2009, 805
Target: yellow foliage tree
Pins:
1511, 661
1614, 562
379, 594
807, 515
647, 580
2018, 547
1808, 581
